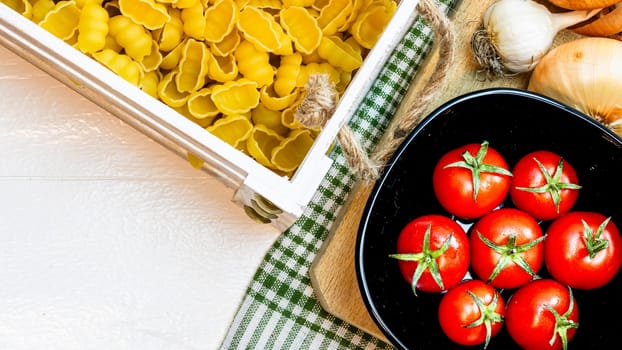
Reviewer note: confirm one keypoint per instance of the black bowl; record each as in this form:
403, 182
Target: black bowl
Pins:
515, 122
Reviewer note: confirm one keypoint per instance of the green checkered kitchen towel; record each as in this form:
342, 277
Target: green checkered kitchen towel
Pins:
279, 310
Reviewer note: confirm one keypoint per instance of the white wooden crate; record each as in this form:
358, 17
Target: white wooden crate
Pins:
266, 196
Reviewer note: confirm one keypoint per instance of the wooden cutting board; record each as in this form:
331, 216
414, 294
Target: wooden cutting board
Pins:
333, 273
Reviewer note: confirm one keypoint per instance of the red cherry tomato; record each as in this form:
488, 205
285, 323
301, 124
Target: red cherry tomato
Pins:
433, 253
471, 313
506, 248
542, 315
544, 184
583, 249
471, 180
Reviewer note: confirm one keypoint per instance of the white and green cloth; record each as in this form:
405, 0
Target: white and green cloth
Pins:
280, 310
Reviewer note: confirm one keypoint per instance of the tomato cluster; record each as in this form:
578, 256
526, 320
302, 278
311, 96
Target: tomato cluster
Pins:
506, 246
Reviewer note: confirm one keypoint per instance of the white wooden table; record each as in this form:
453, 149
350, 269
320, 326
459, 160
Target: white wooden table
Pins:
107, 239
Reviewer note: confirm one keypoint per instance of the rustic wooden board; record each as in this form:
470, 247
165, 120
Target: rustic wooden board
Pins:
333, 272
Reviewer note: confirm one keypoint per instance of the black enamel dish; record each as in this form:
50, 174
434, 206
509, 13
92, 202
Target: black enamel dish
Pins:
515, 122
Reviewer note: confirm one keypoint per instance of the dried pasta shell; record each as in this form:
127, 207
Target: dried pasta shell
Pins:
184, 4
236, 96
233, 129
150, 81
92, 27
339, 54
133, 37
62, 21
120, 64
169, 93
370, 23
290, 153
222, 68
194, 161
40, 8
201, 106
152, 61
193, 66
194, 21
254, 63
271, 119
275, 5
23, 7
301, 3
150, 14
171, 34
227, 45
270, 99
261, 143
288, 118
302, 28
260, 28
172, 58
287, 74
334, 15
220, 19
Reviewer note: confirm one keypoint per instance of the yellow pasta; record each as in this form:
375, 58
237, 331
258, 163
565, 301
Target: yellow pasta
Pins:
149, 83
237, 68
121, 64
150, 14
201, 106
261, 142
194, 21
23, 7
334, 15
92, 27
254, 63
301, 3
233, 129
172, 58
287, 74
40, 8
222, 68
171, 34
260, 28
169, 93
183, 4
153, 60
62, 20
339, 54
302, 28
236, 96
288, 155
193, 66
134, 39
270, 99
370, 23
220, 19
271, 119
227, 45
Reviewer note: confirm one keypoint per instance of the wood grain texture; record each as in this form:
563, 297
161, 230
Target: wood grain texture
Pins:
333, 272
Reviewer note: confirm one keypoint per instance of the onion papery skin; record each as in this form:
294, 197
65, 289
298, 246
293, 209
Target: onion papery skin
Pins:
585, 74
607, 23
583, 4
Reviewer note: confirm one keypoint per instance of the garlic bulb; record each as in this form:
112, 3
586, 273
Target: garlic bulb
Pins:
517, 33
586, 75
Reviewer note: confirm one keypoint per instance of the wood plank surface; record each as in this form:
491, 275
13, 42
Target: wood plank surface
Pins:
333, 272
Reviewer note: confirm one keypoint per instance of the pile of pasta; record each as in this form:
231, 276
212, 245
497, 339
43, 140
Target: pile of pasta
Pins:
237, 68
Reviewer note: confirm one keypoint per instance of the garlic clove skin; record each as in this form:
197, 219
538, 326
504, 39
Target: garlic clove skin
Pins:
521, 32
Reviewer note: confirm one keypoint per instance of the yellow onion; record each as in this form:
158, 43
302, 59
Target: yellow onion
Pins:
607, 22
585, 74
583, 4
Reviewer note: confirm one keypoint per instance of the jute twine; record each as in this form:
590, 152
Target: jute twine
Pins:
321, 100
